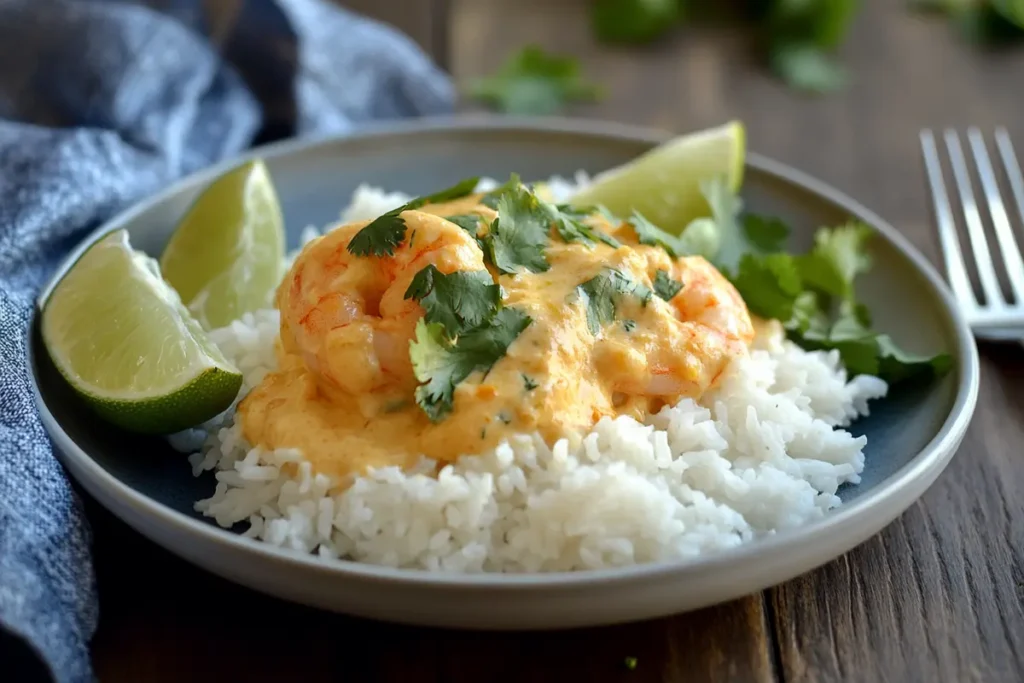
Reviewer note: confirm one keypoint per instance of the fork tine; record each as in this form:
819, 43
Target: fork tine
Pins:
956, 271
975, 229
1013, 173
997, 210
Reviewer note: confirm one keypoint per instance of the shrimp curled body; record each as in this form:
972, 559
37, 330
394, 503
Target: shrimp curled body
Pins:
347, 315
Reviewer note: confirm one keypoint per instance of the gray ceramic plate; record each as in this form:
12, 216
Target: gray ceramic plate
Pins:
911, 434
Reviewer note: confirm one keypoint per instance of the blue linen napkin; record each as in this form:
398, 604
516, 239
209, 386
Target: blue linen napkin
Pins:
101, 103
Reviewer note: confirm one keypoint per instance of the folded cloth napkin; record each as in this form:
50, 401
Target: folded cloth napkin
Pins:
101, 103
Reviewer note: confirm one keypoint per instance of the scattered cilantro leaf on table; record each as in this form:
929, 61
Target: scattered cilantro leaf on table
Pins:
458, 301
634, 21
808, 67
382, 235
441, 363
534, 82
601, 295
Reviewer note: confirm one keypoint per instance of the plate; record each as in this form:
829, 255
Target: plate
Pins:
912, 434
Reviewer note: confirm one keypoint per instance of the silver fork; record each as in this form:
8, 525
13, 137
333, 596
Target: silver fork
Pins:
995, 317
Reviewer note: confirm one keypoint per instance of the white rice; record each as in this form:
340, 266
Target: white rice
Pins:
764, 451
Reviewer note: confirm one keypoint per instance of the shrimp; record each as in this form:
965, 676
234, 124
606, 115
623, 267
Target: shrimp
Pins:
713, 326
347, 316
679, 347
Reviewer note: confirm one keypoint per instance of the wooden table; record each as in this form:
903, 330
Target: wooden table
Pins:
936, 597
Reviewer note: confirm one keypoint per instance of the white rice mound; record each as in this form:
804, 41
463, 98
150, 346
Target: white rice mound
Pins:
764, 451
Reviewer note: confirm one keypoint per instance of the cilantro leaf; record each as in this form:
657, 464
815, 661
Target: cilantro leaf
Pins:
633, 21
769, 284
534, 82
381, 236
784, 287
864, 351
665, 287
650, 234
470, 222
456, 191
440, 365
807, 67
571, 228
802, 37
837, 258
458, 301
518, 235
602, 293
767, 233
733, 238
490, 200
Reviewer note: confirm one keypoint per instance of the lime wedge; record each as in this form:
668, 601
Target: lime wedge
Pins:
664, 184
122, 338
226, 256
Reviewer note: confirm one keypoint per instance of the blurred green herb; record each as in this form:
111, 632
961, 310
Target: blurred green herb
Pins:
988, 22
634, 21
535, 82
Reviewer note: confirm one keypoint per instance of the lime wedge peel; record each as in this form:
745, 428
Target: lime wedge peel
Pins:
664, 184
125, 343
226, 257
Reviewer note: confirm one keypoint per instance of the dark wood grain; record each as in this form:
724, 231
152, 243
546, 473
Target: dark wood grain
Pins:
935, 597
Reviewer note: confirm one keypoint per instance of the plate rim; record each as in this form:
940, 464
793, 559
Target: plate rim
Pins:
924, 468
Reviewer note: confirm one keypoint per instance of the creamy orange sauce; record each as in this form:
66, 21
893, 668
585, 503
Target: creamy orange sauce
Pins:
344, 391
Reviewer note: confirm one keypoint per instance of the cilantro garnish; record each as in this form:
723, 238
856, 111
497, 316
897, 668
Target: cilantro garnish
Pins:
528, 383
534, 82
490, 200
602, 294
634, 21
837, 258
703, 236
570, 227
441, 363
517, 236
629, 325
806, 66
664, 286
381, 236
650, 234
812, 294
459, 301
470, 222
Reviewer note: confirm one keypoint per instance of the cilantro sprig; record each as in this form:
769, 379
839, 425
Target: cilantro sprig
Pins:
458, 301
518, 235
464, 328
441, 363
813, 295
603, 293
571, 228
704, 236
535, 82
382, 235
